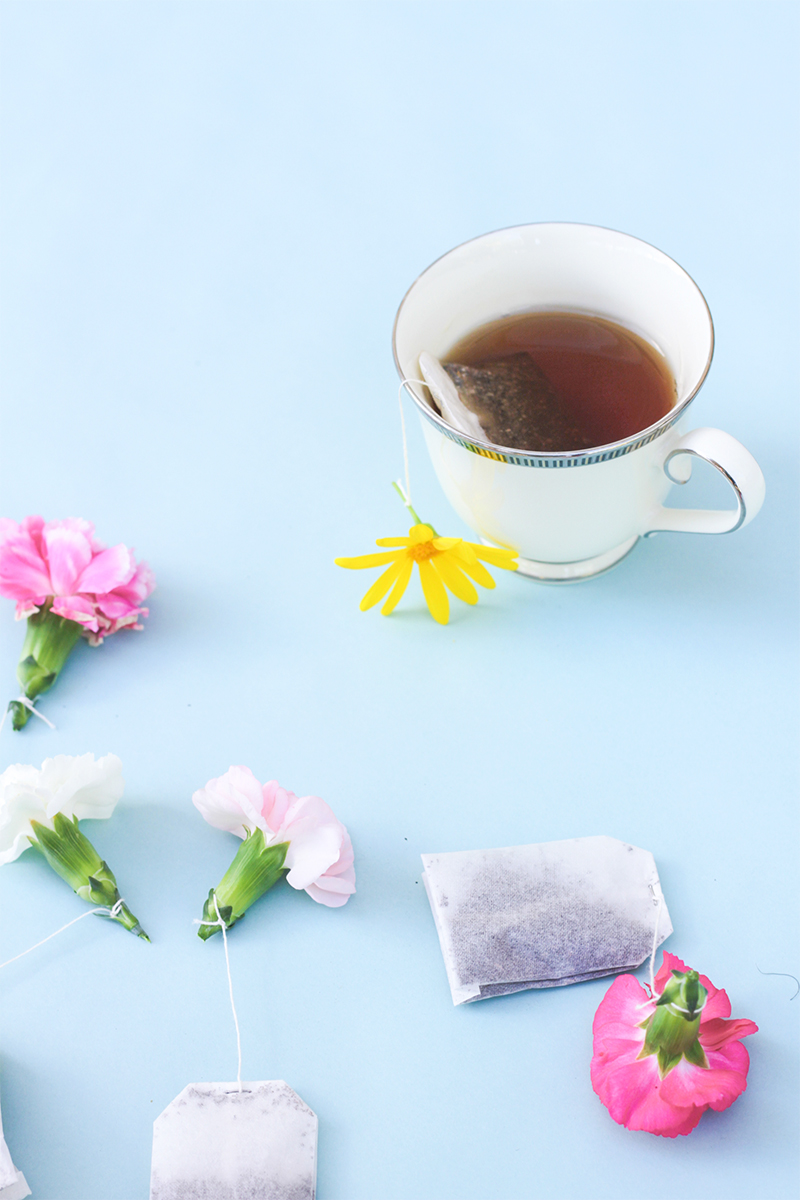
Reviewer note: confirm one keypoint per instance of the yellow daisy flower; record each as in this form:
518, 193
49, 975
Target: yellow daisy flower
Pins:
443, 563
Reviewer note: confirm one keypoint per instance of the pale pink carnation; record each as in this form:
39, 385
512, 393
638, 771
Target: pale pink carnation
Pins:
632, 1088
101, 589
320, 854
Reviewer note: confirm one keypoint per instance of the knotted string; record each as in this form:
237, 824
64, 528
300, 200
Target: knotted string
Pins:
673, 1004
219, 922
111, 913
26, 703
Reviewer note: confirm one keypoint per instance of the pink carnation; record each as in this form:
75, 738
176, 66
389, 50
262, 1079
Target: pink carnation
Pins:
102, 590
633, 1089
320, 854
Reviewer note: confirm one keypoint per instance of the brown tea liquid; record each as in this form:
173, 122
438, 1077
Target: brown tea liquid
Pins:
605, 382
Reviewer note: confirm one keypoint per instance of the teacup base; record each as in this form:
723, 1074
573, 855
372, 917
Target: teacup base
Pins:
573, 572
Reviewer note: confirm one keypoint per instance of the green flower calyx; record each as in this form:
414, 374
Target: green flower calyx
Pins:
256, 868
48, 642
74, 858
672, 1030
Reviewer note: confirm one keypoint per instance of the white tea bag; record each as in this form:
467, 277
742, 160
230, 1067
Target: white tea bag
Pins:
12, 1181
544, 915
508, 401
214, 1142
445, 393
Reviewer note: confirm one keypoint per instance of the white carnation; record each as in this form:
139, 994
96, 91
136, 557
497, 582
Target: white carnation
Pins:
76, 786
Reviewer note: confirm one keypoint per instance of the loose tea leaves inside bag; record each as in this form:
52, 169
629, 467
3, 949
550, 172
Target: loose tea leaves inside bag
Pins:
516, 404
544, 915
214, 1141
510, 401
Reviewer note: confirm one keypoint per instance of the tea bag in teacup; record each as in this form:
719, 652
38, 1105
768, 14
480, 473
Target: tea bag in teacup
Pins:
508, 401
215, 1141
448, 401
544, 915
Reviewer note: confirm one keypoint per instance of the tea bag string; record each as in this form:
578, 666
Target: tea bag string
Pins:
404, 384
219, 922
111, 913
655, 943
26, 703
783, 975
673, 1003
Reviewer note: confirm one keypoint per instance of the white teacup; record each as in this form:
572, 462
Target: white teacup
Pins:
572, 515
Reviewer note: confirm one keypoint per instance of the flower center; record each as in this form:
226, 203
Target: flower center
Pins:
423, 550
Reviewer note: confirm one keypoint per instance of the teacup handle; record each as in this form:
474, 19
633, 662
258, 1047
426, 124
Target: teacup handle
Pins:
734, 462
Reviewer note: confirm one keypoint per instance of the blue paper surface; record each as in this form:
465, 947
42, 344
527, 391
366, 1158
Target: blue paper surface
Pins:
210, 212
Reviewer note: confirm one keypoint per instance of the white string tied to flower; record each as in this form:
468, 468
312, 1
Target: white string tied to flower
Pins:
221, 925
111, 913
26, 703
672, 1003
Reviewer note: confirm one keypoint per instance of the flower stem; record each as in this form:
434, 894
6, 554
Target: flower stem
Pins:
256, 868
48, 641
407, 503
72, 856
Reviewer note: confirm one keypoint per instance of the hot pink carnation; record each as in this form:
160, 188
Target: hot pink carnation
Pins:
100, 589
632, 1088
320, 854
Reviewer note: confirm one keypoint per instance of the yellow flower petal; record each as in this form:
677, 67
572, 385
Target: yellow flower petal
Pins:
391, 541
469, 564
467, 551
450, 572
435, 594
400, 585
445, 543
497, 556
381, 585
420, 533
369, 560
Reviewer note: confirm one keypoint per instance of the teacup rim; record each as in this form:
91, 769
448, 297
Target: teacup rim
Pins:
559, 458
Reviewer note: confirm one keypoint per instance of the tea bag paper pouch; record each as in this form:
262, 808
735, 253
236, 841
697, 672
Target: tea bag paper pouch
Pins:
445, 393
12, 1181
544, 915
214, 1142
509, 402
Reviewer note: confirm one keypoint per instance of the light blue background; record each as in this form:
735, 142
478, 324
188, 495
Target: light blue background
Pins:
210, 212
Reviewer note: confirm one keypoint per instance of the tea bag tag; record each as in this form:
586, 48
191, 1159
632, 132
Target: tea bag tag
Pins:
17, 1189
445, 393
214, 1140
13, 1185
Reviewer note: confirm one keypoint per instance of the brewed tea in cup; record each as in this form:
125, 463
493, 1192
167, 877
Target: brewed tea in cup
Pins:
554, 381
